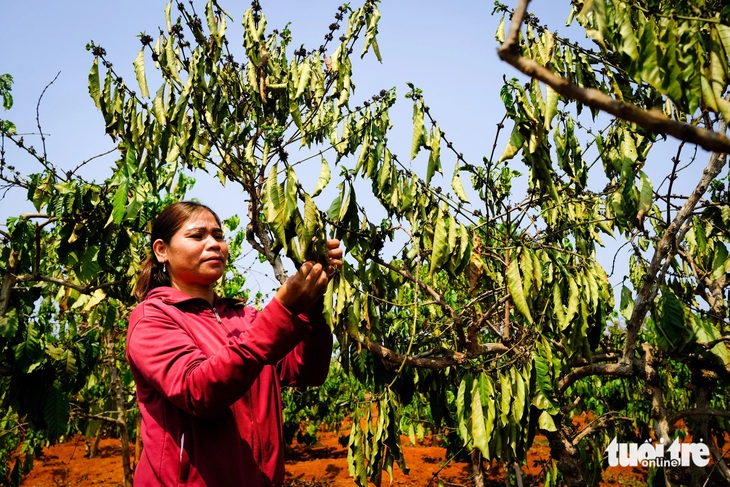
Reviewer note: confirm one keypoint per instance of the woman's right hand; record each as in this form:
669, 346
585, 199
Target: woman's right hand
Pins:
304, 288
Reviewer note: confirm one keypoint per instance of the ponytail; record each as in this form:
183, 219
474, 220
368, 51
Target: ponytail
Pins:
151, 275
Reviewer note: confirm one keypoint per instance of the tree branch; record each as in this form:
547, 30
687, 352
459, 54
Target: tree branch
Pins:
666, 249
598, 424
428, 289
653, 119
425, 360
77, 287
616, 370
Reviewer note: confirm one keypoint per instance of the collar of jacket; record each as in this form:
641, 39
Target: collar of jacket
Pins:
175, 297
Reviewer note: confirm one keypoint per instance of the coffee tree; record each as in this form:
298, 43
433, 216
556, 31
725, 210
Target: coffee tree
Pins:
67, 273
483, 312
490, 308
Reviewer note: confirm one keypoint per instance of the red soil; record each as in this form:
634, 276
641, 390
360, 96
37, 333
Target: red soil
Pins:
322, 465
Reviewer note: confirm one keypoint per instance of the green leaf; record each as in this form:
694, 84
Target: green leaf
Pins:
672, 334
463, 398
386, 171
505, 391
574, 296
290, 191
29, 352
706, 332
519, 392
119, 202
212, 19
356, 453
311, 231
9, 324
514, 284
274, 206
65, 358
56, 411
627, 302
499, 34
479, 432
545, 422
370, 35
543, 377
6, 83
720, 261
333, 211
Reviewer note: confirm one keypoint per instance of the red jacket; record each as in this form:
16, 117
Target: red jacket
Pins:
208, 386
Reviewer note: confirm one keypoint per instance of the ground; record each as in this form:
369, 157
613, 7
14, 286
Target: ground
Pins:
321, 465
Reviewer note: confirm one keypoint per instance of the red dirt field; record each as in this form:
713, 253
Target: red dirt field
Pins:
322, 465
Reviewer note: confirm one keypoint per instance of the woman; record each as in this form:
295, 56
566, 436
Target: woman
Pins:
207, 368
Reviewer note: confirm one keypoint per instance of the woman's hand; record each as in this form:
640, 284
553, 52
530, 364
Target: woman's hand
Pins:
334, 257
308, 285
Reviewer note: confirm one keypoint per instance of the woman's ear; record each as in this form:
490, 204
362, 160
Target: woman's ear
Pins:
160, 249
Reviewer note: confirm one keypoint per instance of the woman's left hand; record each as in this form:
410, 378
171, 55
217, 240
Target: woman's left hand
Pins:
309, 283
334, 257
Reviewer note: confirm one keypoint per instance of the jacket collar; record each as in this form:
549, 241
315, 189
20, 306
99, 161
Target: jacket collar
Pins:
176, 297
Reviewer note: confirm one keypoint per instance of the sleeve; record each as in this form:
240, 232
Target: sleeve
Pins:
308, 364
170, 361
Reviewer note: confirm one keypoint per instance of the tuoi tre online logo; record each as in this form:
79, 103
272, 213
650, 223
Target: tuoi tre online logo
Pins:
655, 455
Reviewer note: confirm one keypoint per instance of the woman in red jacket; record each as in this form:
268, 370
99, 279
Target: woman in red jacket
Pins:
208, 369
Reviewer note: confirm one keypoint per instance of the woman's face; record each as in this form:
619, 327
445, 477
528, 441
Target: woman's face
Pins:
196, 255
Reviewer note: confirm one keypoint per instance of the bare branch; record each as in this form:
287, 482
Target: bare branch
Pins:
425, 361
717, 413
77, 287
599, 424
616, 370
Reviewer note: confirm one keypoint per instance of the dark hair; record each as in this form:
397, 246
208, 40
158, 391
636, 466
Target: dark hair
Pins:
167, 223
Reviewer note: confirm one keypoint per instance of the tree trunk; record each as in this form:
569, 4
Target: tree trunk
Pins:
518, 474
137, 441
121, 408
8, 282
563, 451
477, 468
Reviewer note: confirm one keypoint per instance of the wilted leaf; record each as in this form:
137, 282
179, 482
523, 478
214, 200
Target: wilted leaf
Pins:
324, 178
139, 71
514, 283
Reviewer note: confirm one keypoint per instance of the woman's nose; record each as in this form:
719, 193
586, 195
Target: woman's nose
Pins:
212, 242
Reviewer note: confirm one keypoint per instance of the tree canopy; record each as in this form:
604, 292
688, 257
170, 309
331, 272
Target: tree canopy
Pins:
481, 312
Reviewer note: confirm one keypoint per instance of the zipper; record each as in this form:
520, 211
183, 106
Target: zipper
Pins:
217, 316
183, 468
182, 446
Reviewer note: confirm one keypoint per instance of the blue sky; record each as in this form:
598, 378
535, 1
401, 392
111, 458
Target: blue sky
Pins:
446, 49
